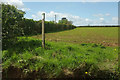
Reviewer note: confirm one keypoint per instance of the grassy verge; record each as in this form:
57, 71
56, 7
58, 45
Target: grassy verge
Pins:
26, 57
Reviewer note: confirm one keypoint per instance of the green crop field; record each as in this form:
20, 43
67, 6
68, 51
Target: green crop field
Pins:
70, 54
107, 36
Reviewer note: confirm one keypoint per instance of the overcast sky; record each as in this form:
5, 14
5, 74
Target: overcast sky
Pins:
81, 13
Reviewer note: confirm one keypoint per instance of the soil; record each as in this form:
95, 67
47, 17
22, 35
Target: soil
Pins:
79, 73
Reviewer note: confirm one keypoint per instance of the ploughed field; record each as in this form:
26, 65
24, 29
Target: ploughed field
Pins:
107, 36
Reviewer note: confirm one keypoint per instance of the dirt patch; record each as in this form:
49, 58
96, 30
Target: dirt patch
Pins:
12, 72
79, 73
18, 73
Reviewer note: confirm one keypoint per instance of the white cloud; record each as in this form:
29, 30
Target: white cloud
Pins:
102, 0
77, 20
86, 19
34, 17
25, 9
101, 19
17, 3
101, 15
71, 1
115, 20
107, 14
98, 15
51, 15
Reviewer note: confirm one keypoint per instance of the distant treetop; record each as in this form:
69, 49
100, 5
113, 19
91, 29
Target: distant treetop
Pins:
65, 21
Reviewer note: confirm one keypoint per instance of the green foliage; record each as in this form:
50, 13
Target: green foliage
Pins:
29, 55
65, 21
11, 16
10, 19
31, 27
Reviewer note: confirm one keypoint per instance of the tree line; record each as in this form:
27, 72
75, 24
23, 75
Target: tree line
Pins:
31, 27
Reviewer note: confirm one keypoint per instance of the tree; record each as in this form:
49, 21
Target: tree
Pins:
10, 19
10, 29
65, 21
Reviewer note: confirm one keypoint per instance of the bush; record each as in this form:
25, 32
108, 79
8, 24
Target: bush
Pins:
10, 19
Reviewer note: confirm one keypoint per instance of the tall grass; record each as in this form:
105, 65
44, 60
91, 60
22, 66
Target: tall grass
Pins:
27, 54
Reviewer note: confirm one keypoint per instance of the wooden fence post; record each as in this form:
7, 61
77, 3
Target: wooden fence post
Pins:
43, 29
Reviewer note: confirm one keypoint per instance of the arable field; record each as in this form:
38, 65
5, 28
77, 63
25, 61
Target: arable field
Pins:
72, 54
107, 36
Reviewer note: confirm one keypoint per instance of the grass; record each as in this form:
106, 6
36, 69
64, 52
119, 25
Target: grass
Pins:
59, 59
107, 36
